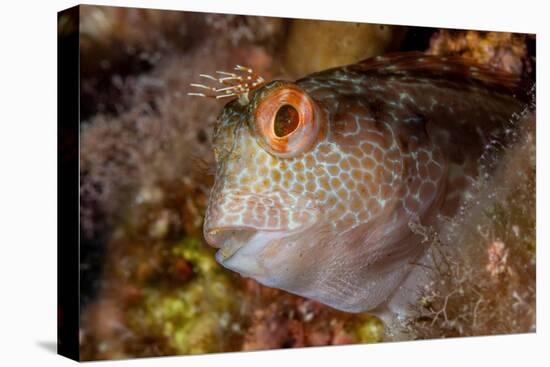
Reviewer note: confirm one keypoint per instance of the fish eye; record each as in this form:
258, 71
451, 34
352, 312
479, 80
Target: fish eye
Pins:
287, 121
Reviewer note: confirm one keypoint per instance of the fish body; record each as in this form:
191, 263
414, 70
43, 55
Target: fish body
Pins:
320, 181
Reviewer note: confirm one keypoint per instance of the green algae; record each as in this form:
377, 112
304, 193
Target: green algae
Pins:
195, 317
369, 330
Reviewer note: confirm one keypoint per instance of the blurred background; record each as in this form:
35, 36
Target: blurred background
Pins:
149, 283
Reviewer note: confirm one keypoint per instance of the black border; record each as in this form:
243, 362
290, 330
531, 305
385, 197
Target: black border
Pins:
67, 178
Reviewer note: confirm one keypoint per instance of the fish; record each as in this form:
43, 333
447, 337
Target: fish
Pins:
320, 182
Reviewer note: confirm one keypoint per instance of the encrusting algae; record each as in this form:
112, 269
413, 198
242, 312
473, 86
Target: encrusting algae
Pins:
190, 318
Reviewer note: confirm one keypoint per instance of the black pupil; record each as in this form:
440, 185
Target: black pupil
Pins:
286, 121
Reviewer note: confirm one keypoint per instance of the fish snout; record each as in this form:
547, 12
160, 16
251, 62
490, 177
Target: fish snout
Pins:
237, 217
231, 230
233, 218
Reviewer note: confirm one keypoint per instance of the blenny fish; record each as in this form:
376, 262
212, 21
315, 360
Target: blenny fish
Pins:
319, 181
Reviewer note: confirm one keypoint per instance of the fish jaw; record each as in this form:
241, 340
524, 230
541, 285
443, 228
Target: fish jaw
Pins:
241, 256
316, 262
248, 242
243, 249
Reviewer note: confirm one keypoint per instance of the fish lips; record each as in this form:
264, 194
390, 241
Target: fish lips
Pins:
240, 248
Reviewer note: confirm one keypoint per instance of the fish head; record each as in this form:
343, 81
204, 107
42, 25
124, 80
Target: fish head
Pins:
299, 187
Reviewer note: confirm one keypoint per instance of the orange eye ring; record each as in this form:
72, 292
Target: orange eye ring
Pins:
288, 121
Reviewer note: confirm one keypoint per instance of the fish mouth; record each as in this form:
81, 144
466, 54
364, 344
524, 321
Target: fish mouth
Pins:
240, 247
229, 239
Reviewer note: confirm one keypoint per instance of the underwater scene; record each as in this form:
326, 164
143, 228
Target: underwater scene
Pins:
252, 183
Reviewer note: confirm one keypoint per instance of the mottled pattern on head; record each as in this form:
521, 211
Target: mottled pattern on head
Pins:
399, 141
